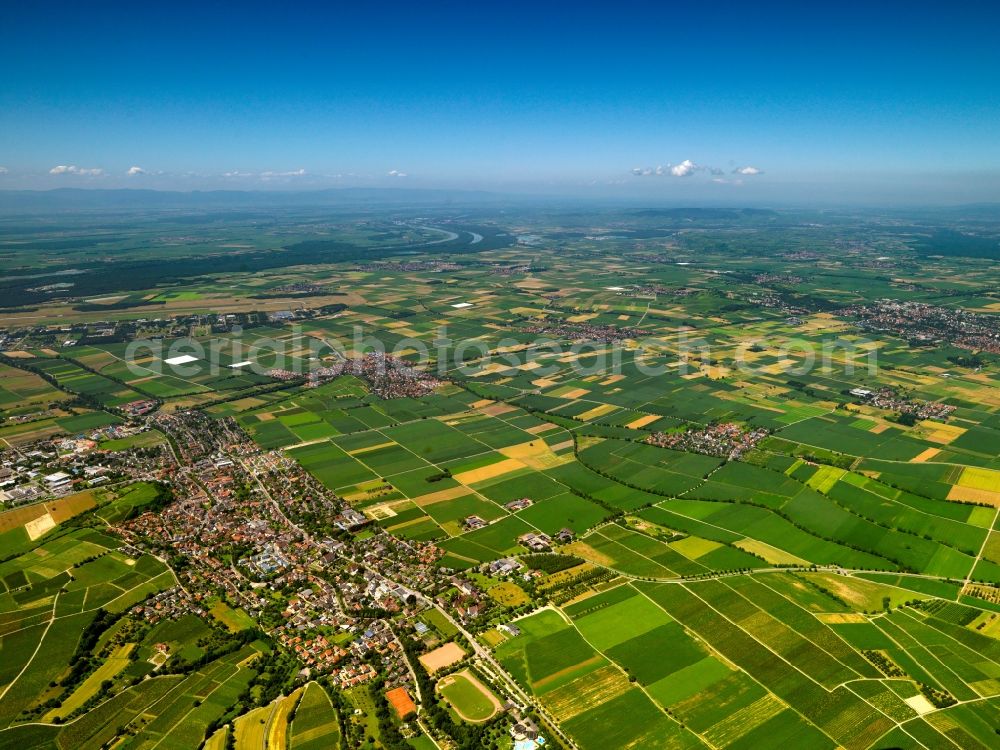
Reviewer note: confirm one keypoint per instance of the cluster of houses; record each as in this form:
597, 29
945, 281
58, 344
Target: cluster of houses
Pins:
526, 735
409, 266
54, 467
520, 504
929, 324
140, 407
725, 440
506, 566
317, 653
229, 494
586, 331
471, 523
167, 605
390, 377
777, 278
536, 541
67, 336
266, 562
887, 398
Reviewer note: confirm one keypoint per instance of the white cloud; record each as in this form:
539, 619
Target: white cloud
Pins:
295, 173
133, 171
396, 173
72, 169
685, 169
3, 170
265, 176
688, 167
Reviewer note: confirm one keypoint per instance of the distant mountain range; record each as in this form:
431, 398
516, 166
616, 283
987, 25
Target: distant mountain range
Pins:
92, 199
17, 201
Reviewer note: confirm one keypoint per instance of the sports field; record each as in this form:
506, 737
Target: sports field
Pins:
470, 699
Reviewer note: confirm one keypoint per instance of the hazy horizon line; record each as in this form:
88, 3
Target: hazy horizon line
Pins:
634, 200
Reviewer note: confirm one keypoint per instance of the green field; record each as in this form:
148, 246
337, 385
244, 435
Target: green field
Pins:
315, 725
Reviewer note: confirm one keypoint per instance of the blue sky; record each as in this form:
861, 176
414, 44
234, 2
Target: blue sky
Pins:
839, 101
